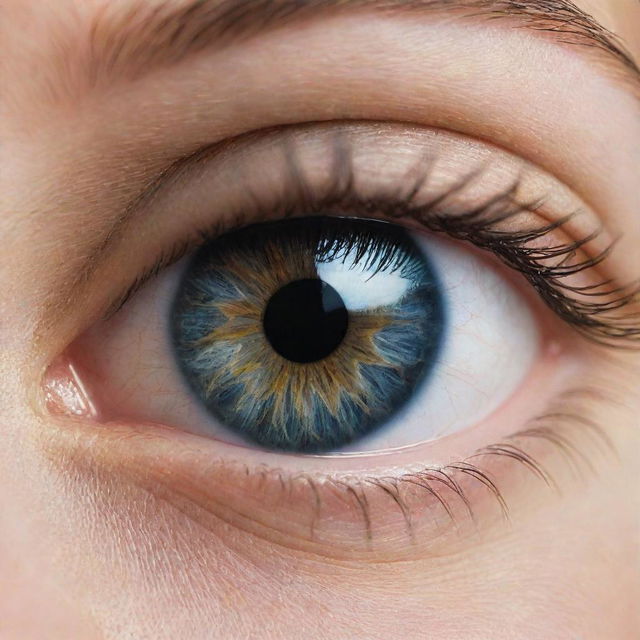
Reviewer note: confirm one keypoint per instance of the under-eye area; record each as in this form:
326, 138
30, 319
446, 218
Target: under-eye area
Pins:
374, 508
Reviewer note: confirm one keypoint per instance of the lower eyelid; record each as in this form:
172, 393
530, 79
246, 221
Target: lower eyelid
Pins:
387, 517
388, 507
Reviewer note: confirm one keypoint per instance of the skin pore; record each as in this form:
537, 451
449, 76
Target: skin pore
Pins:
131, 530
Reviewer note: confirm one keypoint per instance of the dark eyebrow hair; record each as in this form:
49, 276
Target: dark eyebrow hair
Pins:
129, 43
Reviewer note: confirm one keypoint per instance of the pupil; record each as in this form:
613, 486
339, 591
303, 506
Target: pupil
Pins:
306, 320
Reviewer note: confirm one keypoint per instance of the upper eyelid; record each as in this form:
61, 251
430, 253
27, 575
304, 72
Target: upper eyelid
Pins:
92, 266
183, 166
588, 314
117, 184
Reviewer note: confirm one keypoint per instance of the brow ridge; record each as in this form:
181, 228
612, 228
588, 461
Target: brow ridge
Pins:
130, 43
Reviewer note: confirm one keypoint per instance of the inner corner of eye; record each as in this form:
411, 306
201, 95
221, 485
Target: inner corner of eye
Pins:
65, 391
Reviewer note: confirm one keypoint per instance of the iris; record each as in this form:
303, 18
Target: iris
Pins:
307, 335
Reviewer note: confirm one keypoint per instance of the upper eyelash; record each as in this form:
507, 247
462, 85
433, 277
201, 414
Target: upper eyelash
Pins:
593, 310
591, 316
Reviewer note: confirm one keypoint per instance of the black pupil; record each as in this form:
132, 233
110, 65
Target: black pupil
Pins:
306, 320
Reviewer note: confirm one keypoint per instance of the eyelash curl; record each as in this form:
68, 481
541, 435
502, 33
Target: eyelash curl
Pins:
593, 309
597, 311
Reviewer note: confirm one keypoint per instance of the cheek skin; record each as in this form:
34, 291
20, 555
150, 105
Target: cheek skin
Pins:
30, 584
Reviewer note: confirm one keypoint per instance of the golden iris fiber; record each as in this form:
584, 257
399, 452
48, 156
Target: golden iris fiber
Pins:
318, 406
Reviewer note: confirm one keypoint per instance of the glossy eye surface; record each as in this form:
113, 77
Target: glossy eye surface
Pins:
318, 334
307, 335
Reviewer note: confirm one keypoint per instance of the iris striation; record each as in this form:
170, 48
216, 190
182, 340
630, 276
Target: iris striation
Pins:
309, 334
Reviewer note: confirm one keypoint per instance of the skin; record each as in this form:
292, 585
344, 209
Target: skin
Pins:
96, 541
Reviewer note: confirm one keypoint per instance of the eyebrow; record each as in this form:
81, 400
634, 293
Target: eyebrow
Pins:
132, 42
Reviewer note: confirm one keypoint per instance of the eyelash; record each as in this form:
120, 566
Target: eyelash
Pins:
593, 312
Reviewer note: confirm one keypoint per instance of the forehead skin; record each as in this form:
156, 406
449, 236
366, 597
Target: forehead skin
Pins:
40, 514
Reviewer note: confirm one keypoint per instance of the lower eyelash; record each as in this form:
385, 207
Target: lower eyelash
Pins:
559, 428
349, 515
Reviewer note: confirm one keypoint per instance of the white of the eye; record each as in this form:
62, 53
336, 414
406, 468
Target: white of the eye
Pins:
355, 284
491, 343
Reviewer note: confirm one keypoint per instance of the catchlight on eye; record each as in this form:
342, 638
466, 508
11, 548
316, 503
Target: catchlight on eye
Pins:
308, 335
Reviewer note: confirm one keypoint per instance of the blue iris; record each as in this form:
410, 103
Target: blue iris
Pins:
307, 335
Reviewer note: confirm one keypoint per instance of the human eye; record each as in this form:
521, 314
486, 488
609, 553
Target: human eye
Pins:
363, 326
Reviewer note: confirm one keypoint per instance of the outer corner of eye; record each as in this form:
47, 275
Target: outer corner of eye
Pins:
314, 335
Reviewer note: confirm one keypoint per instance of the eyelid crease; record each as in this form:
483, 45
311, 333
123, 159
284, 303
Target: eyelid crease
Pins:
595, 310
